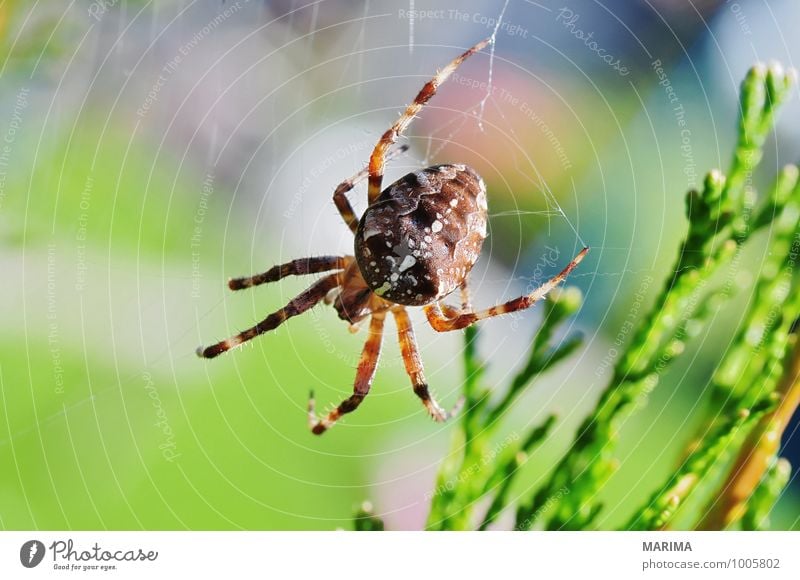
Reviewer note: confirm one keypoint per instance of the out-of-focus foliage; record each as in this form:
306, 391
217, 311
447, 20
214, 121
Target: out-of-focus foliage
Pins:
26, 37
756, 387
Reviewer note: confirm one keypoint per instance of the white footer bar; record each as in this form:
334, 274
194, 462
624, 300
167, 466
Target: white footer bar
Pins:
387, 555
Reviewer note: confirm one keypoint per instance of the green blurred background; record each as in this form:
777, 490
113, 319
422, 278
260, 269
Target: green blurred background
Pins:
151, 150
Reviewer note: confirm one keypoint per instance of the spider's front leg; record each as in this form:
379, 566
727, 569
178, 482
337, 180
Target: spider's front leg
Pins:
363, 382
340, 193
378, 158
453, 319
413, 363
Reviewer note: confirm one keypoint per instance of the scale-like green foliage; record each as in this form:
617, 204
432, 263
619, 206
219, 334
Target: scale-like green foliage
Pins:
722, 218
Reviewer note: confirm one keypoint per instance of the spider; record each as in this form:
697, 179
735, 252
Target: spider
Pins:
415, 244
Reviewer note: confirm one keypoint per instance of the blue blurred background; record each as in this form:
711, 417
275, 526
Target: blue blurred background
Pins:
151, 150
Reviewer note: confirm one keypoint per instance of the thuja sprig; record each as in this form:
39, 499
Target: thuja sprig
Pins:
365, 519
754, 362
482, 464
662, 507
720, 222
745, 489
766, 494
749, 408
744, 381
505, 473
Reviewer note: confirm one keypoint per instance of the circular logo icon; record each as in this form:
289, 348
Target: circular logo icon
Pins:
31, 553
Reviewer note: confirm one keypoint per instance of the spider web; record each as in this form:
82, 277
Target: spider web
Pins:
303, 18
475, 115
160, 17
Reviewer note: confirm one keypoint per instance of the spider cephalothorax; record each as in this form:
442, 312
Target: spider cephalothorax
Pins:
415, 244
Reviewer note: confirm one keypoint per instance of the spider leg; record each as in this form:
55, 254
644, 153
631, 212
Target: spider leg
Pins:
413, 363
378, 158
294, 268
466, 304
297, 305
364, 375
340, 197
453, 320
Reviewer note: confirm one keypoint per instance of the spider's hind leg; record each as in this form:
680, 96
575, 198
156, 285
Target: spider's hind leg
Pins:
364, 375
299, 304
413, 364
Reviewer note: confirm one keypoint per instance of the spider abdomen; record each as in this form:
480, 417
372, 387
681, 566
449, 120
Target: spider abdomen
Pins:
423, 234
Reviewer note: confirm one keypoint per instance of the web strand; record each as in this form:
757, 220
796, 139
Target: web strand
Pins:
482, 105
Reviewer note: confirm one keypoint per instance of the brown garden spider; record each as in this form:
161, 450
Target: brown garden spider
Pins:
415, 244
